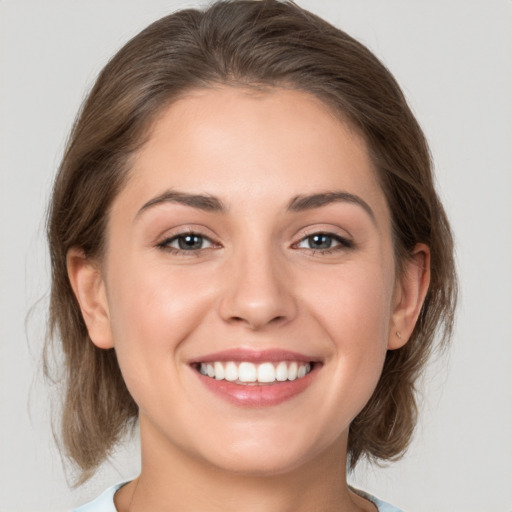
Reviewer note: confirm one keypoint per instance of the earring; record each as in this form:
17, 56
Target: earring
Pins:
399, 335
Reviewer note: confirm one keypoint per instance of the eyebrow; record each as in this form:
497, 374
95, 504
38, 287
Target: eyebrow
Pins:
300, 203
201, 202
310, 202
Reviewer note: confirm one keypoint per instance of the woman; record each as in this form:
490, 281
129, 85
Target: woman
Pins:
249, 259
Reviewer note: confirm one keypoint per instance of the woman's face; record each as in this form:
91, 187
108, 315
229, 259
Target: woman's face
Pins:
251, 243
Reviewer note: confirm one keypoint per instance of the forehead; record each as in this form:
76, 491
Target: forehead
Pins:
270, 145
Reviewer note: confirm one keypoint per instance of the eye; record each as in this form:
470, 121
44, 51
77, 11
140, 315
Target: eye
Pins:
186, 242
324, 242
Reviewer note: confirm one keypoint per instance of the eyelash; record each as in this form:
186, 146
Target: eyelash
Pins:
342, 243
166, 244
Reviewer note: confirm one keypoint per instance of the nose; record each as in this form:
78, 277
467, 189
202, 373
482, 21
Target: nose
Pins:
258, 291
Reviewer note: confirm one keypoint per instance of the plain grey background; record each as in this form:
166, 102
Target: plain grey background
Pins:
454, 62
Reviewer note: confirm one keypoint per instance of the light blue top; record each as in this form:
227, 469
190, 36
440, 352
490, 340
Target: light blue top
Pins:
105, 502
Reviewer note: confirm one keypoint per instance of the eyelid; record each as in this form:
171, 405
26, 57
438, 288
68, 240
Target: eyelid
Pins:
340, 241
344, 240
169, 240
325, 229
336, 239
185, 229
170, 235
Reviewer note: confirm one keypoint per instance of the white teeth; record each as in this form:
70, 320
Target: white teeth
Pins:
231, 373
246, 372
292, 371
219, 371
282, 372
266, 372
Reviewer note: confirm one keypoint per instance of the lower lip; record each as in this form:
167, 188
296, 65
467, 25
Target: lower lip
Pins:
258, 395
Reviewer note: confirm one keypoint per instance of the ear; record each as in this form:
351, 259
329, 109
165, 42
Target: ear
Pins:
89, 288
411, 289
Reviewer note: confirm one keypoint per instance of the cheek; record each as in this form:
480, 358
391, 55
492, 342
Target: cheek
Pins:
145, 298
354, 304
355, 313
152, 311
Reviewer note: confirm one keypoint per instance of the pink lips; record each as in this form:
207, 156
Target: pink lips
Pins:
254, 356
255, 394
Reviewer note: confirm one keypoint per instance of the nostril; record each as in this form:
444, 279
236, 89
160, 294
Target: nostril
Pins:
256, 309
255, 323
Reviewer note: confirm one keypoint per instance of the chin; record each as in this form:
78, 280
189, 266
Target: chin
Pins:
261, 465
265, 457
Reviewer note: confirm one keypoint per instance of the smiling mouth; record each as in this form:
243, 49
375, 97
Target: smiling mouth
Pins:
248, 373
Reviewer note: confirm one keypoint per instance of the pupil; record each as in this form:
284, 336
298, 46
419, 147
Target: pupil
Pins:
320, 241
188, 242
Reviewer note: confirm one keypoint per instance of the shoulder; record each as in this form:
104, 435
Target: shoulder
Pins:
103, 503
382, 506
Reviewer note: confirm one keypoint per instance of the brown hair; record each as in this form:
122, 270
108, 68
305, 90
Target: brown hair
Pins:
240, 43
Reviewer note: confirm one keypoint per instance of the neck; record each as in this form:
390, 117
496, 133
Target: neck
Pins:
173, 480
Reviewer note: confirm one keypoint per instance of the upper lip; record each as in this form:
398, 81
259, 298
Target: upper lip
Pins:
254, 356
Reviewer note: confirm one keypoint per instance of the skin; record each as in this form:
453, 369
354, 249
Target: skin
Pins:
256, 283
